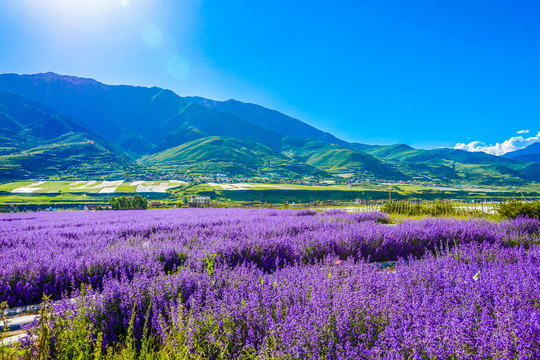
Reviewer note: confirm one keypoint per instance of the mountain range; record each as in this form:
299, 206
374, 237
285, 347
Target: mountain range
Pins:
530, 153
64, 126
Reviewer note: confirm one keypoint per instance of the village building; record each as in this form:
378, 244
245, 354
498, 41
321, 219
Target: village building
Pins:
198, 201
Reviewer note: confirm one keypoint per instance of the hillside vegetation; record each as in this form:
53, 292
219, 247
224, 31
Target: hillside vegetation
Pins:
54, 125
232, 156
38, 142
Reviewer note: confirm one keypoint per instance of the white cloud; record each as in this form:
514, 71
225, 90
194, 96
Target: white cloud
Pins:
512, 144
523, 132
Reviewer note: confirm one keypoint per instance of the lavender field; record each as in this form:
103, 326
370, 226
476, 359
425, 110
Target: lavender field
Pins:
275, 284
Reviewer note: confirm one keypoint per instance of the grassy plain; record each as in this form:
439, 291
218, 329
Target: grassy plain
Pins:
71, 193
77, 193
305, 193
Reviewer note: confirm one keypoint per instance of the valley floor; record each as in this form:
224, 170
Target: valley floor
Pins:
169, 193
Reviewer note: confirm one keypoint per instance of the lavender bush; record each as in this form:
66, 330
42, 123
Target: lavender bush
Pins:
476, 301
54, 253
271, 284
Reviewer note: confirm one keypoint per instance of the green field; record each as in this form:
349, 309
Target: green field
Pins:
283, 193
67, 193
70, 193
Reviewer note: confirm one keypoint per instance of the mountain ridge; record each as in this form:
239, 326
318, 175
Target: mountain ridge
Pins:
529, 153
36, 140
271, 119
162, 131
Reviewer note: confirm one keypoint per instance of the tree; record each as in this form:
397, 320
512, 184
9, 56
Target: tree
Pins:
138, 202
114, 203
124, 202
182, 200
145, 203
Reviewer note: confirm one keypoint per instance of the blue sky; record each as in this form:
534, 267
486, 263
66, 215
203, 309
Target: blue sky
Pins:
427, 73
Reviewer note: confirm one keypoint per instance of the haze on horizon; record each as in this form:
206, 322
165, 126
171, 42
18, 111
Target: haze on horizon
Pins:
429, 74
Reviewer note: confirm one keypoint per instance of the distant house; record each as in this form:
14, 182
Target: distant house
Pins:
155, 204
198, 201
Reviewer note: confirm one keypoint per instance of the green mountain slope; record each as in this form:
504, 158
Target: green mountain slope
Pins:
226, 155
96, 128
36, 142
451, 165
336, 159
138, 119
269, 119
403, 152
385, 151
530, 153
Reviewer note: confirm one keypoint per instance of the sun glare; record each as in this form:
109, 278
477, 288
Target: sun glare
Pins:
77, 12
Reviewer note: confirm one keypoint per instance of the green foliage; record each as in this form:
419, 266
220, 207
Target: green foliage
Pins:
114, 203
437, 208
124, 203
138, 202
233, 156
3, 329
513, 209
452, 165
338, 159
54, 146
210, 260
75, 335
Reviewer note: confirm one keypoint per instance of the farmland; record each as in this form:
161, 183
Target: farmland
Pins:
237, 283
73, 194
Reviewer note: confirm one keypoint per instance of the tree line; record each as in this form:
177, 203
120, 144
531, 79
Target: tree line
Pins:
123, 203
